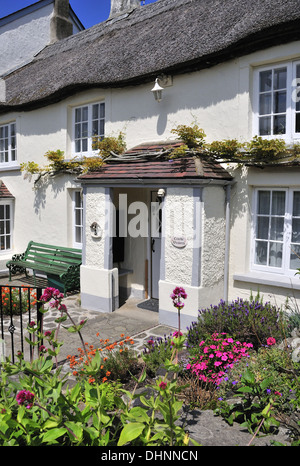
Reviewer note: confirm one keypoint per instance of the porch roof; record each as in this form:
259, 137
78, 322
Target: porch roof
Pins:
4, 192
147, 162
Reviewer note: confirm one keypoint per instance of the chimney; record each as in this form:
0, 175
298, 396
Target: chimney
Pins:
61, 26
119, 7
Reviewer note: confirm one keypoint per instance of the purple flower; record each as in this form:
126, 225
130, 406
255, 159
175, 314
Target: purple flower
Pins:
24, 397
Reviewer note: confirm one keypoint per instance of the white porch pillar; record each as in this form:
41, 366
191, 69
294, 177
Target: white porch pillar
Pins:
99, 280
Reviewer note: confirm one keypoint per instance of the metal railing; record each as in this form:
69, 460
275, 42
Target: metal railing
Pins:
19, 306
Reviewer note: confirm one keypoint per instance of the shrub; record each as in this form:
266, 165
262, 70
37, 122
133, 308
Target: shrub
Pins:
216, 356
117, 361
156, 351
248, 320
19, 300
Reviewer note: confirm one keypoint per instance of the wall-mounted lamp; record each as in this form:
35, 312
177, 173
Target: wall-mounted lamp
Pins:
157, 91
161, 80
161, 193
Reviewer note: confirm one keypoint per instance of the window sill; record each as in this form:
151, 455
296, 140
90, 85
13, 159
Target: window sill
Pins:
5, 167
262, 278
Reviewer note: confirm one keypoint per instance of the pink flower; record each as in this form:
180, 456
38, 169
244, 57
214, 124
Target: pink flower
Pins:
217, 363
24, 397
271, 341
163, 385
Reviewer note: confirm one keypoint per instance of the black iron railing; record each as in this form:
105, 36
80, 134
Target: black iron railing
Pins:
19, 306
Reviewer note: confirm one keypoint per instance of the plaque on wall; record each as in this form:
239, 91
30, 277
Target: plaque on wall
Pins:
179, 241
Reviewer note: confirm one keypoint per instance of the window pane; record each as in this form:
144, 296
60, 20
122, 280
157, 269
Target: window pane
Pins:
263, 202
78, 235
296, 204
296, 230
276, 232
78, 217
95, 112
295, 257
279, 124
261, 252
279, 102
265, 81
84, 113
84, 145
265, 104
265, 126
275, 255
297, 122
78, 115
102, 110
278, 202
280, 78
78, 199
262, 228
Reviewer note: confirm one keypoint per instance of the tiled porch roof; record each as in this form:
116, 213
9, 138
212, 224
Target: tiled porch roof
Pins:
135, 166
4, 192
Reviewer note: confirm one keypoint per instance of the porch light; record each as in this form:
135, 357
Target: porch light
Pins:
161, 193
157, 91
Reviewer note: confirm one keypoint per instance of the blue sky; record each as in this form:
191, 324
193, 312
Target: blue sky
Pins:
89, 12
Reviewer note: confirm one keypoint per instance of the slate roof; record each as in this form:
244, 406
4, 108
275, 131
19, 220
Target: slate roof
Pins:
142, 164
168, 36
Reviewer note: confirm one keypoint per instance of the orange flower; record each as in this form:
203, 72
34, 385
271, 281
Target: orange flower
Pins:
108, 374
104, 379
122, 335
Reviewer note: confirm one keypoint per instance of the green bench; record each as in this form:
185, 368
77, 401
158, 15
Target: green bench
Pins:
60, 264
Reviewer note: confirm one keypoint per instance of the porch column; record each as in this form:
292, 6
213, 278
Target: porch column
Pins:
181, 254
99, 280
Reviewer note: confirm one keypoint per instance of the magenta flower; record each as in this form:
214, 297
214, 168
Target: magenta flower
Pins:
24, 397
163, 385
271, 341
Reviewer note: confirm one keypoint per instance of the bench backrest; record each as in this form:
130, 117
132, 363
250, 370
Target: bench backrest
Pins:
52, 255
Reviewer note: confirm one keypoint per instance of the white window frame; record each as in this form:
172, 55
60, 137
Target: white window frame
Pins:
75, 224
10, 203
11, 151
290, 135
90, 150
287, 233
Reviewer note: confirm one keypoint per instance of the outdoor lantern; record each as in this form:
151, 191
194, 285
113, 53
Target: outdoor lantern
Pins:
157, 91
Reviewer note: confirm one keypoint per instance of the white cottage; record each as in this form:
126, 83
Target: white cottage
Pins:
147, 222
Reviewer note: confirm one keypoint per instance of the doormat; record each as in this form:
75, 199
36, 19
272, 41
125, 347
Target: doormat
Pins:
149, 304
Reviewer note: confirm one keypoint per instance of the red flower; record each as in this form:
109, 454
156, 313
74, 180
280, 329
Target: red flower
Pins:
163, 385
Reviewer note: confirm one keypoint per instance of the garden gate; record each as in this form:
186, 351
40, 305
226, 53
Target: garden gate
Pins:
19, 306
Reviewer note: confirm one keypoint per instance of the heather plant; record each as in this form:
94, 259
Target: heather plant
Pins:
248, 320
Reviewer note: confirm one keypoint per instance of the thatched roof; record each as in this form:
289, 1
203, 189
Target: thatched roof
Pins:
170, 36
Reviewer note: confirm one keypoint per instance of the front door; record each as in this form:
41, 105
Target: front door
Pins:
156, 218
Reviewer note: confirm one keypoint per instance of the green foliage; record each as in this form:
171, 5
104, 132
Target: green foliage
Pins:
270, 148
192, 136
255, 408
110, 144
224, 149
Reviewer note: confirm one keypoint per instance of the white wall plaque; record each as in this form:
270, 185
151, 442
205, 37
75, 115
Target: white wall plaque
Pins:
179, 241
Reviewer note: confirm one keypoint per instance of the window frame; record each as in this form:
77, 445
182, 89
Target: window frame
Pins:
12, 160
90, 151
10, 203
75, 208
291, 94
287, 232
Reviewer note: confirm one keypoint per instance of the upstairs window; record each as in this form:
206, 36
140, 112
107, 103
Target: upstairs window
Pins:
277, 101
89, 122
8, 143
